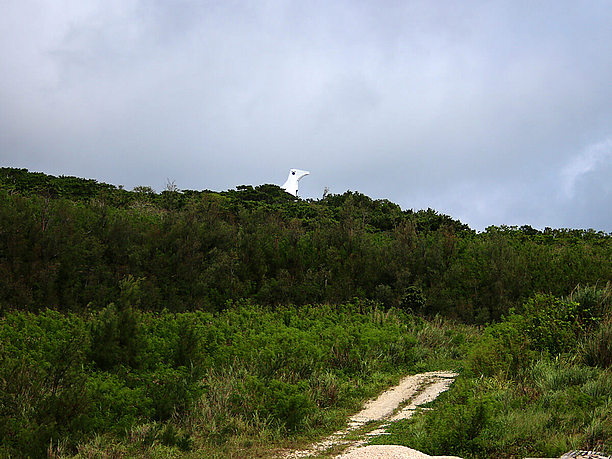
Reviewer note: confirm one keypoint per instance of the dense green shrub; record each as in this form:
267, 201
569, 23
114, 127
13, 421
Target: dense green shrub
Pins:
75, 244
458, 430
43, 394
116, 338
546, 325
290, 403
551, 323
117, 405
503, 350
66, 378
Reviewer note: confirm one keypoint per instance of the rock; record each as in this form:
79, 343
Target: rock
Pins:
389, 452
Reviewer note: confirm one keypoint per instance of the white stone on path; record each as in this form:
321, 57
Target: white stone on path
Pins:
389, 452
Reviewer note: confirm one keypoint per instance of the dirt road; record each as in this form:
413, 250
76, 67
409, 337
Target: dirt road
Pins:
399, 402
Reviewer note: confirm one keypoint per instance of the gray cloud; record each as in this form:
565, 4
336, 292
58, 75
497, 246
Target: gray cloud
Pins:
487, 111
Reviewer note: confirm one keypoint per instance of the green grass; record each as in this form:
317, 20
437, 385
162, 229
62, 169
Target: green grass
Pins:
518, 395
250, 379
254, 381
479, 417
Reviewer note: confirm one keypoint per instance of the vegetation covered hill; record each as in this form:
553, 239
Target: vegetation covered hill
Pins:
236, 323
66, 243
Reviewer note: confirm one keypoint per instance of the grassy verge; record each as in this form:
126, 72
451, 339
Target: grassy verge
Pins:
242, 383
538, 384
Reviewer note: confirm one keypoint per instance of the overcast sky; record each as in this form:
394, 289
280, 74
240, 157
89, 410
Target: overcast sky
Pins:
494, 112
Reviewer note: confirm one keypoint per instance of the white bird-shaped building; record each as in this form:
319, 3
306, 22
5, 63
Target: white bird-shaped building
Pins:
291, 185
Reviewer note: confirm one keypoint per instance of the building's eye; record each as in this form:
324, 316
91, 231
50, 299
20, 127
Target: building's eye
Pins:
292, 172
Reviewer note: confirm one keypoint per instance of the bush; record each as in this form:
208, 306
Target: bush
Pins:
289, 403
187, 353
42, 382
118, 407
463, 426
247, 372
593, 303
552, 324
502, 351
172, 391
116, 338
413, 299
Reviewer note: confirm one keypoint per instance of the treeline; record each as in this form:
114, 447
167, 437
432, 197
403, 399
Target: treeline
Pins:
67, 243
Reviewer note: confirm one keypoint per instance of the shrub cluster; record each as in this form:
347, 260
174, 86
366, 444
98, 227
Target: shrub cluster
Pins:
66, 377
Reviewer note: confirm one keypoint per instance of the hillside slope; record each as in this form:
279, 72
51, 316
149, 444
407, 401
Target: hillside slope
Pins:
67, 243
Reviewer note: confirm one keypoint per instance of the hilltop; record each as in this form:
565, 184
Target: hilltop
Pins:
70, 241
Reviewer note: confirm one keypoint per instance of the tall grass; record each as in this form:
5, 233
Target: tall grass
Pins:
596, 348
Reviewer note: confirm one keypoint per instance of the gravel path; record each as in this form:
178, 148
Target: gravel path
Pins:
397, 403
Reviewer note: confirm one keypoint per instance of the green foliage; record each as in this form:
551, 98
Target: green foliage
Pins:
200, 378
503, 350
557, 407
553, 376
70, 243
413, 299
384, 295
547, 324
171, 436
527, 391
42, 385
116, 403
172, 391
290, 403
116, 331
596, 349
551, 323
116, 338
464, 426
157, 331
593, 303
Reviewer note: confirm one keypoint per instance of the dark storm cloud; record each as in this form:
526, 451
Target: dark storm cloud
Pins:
492, 112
